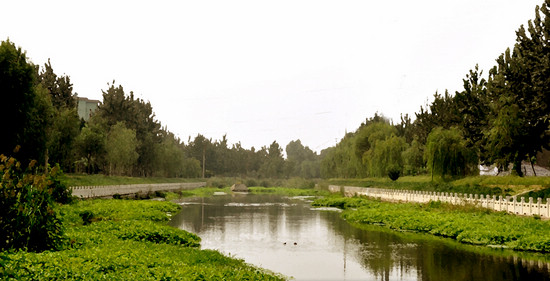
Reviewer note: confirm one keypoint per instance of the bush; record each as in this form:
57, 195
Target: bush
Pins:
394, 173
299, 183
60, 192
86, 216
27, 216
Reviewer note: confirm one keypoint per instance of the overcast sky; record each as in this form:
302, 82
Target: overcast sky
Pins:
261, 71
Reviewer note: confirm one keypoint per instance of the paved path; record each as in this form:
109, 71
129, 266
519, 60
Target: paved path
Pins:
128, 189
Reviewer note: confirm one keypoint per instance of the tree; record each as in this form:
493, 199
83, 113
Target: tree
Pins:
385, 155
137, 115
200, 149
447, 154
441, 112
301, 161
413, 159
272, 167
472, 105
90, 146
519, 86
60, 88
65, 123
121, 147
22, 106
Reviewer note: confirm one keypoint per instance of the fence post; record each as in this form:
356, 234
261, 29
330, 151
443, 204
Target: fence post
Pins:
539, 203
530, 206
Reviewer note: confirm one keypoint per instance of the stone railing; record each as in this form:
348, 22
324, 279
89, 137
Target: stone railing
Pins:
110, 190
509, 203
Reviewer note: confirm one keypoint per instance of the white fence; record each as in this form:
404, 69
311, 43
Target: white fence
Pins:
110, 190
508, 204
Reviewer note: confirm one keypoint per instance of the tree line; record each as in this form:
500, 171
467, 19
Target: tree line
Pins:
123, 136
502, 120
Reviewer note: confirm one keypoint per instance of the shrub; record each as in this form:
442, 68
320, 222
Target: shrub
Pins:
60, 192
86, 216
299, 183
27, 217
394, 173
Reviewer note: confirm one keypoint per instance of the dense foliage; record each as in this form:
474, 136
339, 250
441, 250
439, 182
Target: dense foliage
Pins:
28, 219
126, 240
466, 224
123, 136
501, 120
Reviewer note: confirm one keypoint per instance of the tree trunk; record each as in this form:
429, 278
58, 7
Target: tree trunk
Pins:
532, 166
517, 168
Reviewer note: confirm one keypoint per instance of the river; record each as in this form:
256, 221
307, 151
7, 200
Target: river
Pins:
287, 236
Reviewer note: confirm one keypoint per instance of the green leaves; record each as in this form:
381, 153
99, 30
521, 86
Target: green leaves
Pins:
447, 154
27, 216
125, 242
464, 224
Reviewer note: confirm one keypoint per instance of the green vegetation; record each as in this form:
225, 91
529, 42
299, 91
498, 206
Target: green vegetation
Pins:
289, 191
100, 179
27, 216
466, 224
447, 153
487, 185
502, 119
125, 240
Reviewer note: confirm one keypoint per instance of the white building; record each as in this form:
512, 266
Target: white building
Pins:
86, 107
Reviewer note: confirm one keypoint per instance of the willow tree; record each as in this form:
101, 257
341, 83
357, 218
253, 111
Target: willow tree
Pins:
447, 153
121, 145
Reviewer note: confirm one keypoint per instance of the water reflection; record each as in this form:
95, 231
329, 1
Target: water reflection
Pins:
263, 230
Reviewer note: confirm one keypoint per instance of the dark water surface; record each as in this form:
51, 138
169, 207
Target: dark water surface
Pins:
263, 230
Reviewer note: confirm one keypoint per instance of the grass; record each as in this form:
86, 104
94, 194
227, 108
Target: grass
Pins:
126, 240
466, 224
488, 185
289, 191
99, 180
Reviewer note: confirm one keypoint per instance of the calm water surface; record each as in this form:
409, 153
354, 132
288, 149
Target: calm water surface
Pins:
287, 236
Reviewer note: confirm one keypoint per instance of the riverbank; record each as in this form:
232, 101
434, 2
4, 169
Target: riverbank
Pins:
489, 185
126, 240
465, 224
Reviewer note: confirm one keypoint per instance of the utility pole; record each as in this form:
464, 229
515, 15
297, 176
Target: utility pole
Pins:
203, 158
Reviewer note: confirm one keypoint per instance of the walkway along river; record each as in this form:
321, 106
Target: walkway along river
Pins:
286, 235
509, 204
128, 189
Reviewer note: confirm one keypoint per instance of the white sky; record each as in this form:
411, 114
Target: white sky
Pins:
261, 71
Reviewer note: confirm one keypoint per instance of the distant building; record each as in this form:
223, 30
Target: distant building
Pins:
87, 107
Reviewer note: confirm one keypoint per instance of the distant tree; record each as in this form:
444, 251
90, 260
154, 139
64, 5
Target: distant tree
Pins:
447, 154
137, 115
385, 155
121, 145
413, 159
472, 106
90, 146
405, 128
296, 155
191, 168
60, 88
64, 125
201, 149
272, 167
441, 112
62, 135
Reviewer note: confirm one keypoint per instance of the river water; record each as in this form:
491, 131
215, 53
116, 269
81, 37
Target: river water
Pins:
287, 236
